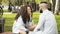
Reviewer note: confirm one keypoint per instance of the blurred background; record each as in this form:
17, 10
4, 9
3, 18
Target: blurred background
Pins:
9, 9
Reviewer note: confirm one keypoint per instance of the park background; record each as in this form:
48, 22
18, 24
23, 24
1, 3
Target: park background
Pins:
9, 15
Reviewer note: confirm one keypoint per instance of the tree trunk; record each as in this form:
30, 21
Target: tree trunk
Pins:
57, 7
51, 5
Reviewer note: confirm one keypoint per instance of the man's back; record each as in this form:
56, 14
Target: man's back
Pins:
50, 26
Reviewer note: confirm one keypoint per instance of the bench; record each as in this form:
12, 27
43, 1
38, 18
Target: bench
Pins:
2, 21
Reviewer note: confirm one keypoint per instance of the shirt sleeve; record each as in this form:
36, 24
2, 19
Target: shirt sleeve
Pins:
31, 23
40, 23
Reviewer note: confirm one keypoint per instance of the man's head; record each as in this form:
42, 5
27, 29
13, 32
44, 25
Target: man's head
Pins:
43, 6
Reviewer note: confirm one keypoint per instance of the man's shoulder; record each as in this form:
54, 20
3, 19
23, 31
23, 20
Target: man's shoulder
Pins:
41, 15
46, 14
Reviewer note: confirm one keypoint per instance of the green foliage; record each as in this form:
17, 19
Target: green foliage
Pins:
9, 18
19, 2
5, 2
38, 1
0, 2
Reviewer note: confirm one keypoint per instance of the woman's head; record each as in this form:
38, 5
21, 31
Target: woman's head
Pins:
25, 12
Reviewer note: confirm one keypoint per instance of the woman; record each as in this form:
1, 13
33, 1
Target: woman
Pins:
23, 20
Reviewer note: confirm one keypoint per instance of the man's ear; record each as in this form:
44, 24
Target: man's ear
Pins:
41, 11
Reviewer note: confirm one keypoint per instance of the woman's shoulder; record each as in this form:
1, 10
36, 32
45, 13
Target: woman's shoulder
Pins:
19, 18
18, 21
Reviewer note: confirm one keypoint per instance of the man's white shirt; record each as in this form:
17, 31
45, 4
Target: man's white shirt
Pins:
46, 24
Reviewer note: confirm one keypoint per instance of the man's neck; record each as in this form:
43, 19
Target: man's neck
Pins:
44, 9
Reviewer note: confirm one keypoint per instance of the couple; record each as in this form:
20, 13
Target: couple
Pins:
23, 23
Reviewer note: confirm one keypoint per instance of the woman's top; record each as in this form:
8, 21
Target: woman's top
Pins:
19, 25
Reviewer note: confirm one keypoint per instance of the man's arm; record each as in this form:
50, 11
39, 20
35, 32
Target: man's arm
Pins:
40, 23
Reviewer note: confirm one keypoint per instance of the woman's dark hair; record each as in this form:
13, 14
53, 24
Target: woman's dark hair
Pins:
23, 13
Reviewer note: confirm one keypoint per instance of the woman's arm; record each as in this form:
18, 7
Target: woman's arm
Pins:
22, 32
40, 23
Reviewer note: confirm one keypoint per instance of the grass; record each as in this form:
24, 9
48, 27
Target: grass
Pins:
9, 20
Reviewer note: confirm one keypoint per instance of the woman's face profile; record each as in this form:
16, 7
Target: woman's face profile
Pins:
29, 11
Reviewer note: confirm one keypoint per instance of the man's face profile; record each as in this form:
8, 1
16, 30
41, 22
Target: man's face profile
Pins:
40, 8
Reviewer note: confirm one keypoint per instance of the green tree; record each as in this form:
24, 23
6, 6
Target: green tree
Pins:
18, 2
54, 3
55, 6
0, 2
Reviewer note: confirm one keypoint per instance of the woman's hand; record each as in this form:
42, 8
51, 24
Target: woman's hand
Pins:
22, 32
31, 28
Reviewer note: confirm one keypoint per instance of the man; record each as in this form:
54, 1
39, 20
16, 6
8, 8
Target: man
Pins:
47, 22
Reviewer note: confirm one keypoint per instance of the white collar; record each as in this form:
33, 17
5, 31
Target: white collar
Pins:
45, 11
